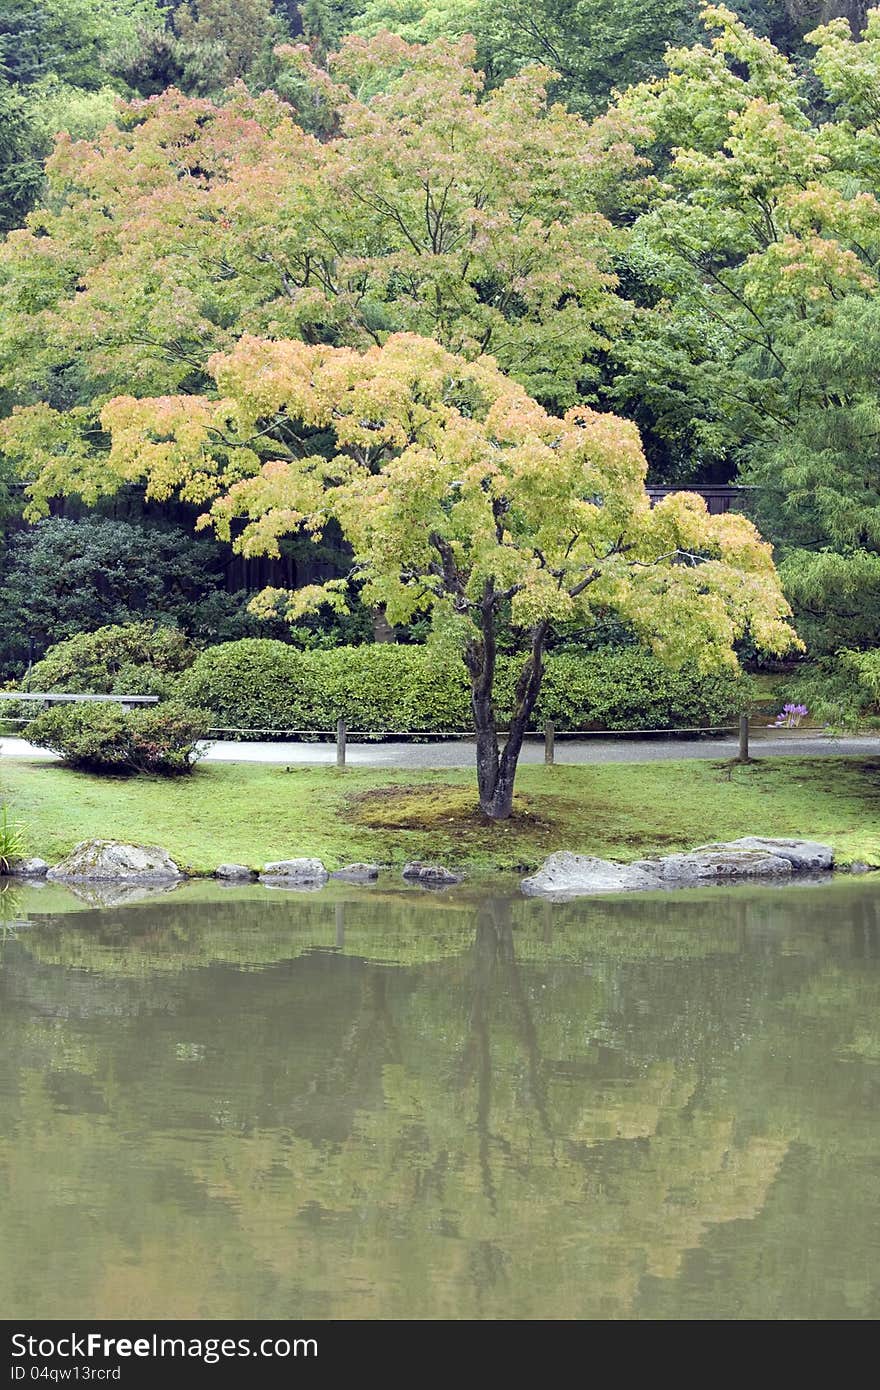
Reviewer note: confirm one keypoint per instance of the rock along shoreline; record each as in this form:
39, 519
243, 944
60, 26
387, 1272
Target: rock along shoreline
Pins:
562, 876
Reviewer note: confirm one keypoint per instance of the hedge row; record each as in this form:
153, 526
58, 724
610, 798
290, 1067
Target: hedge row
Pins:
263, 684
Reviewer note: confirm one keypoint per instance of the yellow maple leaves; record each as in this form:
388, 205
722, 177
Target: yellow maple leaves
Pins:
450, 483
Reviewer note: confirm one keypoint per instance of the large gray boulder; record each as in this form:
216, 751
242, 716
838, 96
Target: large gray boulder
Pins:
565, 875
294, 873
97, 861
804, 856
719, 864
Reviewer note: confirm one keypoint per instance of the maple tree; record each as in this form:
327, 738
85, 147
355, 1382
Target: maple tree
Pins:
431, 209
53, 77
700, 257
460, 497
751, 248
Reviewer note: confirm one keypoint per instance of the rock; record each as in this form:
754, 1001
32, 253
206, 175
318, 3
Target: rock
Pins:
294, 873
565, 875
233, 872
431, 875
28, 868
95, 861
804, 856
711, 865
858, 866
357, 873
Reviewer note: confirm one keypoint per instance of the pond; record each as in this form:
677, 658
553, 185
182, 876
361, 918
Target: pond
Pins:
386, 1103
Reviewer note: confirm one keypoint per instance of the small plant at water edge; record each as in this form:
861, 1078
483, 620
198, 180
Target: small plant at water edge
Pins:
12, 841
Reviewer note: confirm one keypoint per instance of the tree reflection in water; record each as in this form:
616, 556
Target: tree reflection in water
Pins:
372, 1103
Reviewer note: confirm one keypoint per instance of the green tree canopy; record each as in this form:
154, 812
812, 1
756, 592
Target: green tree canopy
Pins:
432, 209
751, 247
54, 76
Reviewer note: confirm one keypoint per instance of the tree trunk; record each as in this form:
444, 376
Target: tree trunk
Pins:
479, 658
488, 757
382, 629
496, 769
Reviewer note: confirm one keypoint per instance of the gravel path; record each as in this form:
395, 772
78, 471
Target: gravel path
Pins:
460, 752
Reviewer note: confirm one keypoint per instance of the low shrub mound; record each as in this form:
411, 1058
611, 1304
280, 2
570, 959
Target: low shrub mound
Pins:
258, 684
127, 659
104, 738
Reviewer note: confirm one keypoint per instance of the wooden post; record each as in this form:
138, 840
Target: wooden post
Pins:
549, 742
743, 739
340, 742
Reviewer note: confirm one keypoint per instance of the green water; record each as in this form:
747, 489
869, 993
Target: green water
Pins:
391, 1104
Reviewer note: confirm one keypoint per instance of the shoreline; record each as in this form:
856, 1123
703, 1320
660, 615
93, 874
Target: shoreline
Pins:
110, 873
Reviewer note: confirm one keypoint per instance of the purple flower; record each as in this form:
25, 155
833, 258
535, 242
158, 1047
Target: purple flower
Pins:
791, 716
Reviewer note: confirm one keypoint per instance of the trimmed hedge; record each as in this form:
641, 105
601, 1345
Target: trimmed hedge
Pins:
263, 684
630, 688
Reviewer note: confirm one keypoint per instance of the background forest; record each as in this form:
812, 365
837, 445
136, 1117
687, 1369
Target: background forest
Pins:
652, 209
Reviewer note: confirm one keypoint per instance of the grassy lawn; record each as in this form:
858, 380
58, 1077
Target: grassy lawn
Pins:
253, 813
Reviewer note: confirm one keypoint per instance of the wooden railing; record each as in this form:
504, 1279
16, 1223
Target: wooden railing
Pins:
42, 697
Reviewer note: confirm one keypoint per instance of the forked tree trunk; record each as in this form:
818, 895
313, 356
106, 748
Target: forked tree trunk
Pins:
496, 767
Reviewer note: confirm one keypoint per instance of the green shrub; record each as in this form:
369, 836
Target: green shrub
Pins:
843, 689
629, 688
260, 684
104, 738
134, 659
254, 683
165, 737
